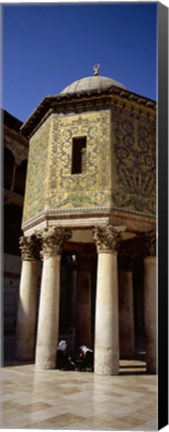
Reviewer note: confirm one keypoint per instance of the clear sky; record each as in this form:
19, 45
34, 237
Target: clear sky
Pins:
45, 47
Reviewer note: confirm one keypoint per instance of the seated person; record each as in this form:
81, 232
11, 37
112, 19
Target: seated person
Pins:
64, 361
85, 359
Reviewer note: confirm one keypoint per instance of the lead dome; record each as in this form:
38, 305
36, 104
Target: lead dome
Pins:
95, 82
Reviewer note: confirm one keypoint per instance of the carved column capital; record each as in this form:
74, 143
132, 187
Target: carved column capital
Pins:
30, 247
149, 243
53, 240
107, 237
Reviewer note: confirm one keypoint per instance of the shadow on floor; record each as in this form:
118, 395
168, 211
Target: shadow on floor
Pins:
141, 355
8, 363
131, 368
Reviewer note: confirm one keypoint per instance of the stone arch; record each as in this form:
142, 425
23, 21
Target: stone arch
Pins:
9, 162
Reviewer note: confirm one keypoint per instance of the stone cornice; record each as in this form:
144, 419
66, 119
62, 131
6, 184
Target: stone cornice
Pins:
78, 102
11, 135
90, 217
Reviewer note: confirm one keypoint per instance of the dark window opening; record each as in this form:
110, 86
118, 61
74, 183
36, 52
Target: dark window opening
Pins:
79, 155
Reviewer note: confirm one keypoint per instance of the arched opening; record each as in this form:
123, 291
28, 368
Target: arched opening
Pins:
20, 178
8, 168
12, 228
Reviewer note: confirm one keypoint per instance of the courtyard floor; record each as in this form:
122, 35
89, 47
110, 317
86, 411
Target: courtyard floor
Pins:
53, 399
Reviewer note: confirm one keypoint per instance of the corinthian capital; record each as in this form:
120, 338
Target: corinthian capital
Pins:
53, 240
149, 243
107, 237
30, 247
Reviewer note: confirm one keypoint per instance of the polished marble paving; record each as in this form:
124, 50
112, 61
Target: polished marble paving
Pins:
53, 399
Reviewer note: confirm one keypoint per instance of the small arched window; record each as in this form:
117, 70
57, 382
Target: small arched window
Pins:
79, 149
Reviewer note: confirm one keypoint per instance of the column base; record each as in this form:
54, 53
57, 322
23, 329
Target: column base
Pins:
103, 369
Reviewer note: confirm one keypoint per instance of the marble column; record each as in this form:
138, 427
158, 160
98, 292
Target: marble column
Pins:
27, 306
126, 314
150, 302
106, 351
48, 322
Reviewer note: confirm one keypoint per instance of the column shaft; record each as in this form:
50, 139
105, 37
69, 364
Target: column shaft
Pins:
27, 309
107, 317
48, 324
150, 312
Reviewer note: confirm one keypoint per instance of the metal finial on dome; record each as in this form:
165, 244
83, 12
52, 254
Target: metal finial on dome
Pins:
96, 69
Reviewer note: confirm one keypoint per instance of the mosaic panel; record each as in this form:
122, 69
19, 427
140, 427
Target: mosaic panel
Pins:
120, 164
88, 189
37, 173
135, 165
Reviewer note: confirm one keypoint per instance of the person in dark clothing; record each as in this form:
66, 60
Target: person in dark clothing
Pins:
64, 360
85, 361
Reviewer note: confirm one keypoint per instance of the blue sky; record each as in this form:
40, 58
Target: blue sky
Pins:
45, 47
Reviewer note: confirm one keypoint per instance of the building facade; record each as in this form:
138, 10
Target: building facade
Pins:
89, 226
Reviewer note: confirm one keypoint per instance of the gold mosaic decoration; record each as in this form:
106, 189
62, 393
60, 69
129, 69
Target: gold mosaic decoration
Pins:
37, 177
88, 189
135, 165
120, 164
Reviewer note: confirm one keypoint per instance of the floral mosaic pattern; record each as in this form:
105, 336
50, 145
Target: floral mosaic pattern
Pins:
135, 164
92, 187
37, 173
120, 164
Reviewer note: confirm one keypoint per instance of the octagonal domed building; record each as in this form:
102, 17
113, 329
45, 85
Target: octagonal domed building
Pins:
90, 199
